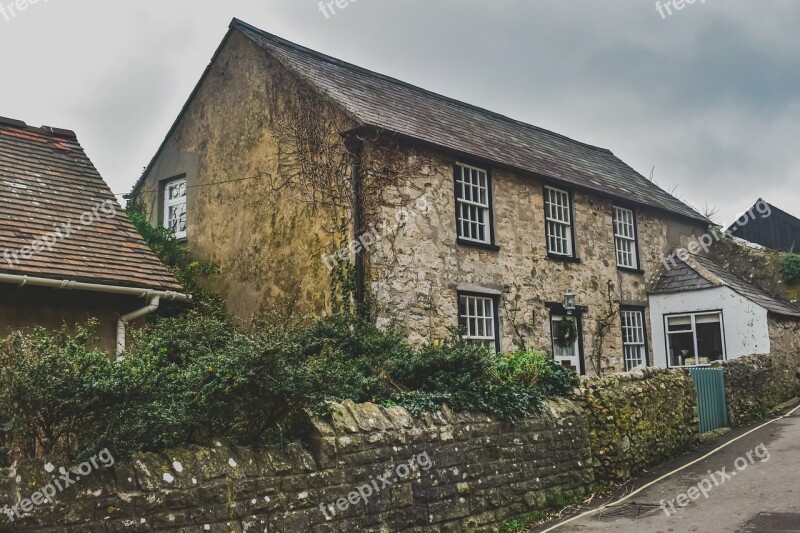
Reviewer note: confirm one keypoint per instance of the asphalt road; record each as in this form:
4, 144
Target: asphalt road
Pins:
762, 495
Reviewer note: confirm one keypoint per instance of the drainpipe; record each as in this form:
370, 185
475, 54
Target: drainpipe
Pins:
153, 295
354, 146
130, 317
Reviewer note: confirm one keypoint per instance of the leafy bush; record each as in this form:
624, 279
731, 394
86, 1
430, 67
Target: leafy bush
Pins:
174, 254
195, 376
535, 369
48, 391
790, 268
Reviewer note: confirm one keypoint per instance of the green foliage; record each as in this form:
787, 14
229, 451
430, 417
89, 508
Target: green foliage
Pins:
566, 332
790, 268
525, 367
173, 253
48, 388
514, 525
161, 240
194, 376
535, 369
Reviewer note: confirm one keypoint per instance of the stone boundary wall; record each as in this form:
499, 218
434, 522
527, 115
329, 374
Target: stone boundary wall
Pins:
639, 419
369, 468
755, 384
480, 473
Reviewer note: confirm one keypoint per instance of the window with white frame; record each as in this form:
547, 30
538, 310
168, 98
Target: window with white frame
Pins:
559, 221
473, 209
175, 207
625, 238
695, 339
633, 339
477, 319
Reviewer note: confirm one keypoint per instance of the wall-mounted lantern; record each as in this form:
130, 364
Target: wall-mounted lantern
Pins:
569, 302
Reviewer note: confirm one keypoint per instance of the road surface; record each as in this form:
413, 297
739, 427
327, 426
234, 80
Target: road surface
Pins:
751, 486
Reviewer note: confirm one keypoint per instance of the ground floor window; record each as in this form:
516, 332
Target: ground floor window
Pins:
634, 345
477, 319
695, 339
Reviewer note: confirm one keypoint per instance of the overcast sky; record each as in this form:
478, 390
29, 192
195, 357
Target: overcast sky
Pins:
709, 96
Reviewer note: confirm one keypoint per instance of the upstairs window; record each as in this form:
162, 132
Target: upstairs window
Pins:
625, 238
558, 216
473, 204
175, 207
477, 319
633, 339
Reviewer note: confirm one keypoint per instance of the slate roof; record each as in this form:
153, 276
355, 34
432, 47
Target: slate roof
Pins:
46, 180
778, 231
389, 104
681, 278
689, 278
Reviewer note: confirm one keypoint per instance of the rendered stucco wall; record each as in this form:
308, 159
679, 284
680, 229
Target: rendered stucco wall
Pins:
745, 324
244, 212
23, 308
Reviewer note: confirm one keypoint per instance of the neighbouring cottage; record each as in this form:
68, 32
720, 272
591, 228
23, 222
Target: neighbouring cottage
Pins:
69, 253
312, 183
702, 313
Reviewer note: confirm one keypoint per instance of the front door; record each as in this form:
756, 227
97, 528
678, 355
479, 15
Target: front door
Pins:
569, 356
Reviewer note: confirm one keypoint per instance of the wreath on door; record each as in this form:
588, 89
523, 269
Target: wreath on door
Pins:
567, 331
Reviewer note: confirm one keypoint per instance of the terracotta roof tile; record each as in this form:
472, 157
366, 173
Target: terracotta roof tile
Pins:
46, 181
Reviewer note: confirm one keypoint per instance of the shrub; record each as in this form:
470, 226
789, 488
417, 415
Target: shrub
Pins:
49, 389
790, 268
194, 377
535, 369
463, 375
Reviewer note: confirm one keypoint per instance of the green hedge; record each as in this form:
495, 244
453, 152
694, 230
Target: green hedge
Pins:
194, 376
790, 268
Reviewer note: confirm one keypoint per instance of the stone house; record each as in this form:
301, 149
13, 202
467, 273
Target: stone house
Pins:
313, 183
69, 253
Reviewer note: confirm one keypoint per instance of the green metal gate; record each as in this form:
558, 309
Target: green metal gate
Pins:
711, 401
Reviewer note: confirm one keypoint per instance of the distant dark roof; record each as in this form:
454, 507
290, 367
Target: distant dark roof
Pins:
684, 277
47, 180
778, 231
381, 102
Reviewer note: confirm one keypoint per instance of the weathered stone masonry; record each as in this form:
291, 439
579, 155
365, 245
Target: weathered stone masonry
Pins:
484, 471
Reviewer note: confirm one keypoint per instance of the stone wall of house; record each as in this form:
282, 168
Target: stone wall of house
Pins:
418, 268
438, 472
756, 384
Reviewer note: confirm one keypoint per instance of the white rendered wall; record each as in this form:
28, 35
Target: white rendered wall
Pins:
744, 323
